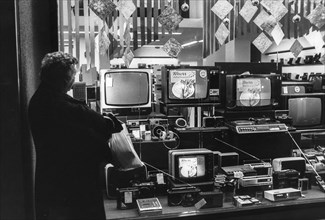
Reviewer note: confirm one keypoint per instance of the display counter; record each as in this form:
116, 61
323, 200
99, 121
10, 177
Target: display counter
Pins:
310, 206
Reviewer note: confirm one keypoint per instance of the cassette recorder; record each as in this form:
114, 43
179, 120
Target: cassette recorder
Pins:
262, 168
282, 194
261, 180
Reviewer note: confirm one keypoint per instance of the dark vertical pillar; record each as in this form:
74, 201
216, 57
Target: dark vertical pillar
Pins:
256, 55
28, 31
11, 167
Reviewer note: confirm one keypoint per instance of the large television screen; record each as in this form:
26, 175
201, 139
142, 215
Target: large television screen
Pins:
251, 92
307, 110
125, 89
190, 84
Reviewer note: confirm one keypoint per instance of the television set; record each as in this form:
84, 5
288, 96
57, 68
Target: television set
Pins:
251, 92
307, 110
190, 84
126, 91
191, 167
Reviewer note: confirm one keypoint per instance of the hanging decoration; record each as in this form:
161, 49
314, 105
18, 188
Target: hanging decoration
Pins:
226, 21
103, 41
277, 34
248, 11
275, 7
169, 19
262, 42
222, 9
127, 34
269, 24
185, 7
128, 57
322, 59
296, 19
255, 2
222, 33
102, 8
172, 47
317, 16
296, 48
315, 38
126, 8
260, 18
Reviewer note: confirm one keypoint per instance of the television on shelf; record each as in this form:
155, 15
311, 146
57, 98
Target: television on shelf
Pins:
307, 110
191, 167
251, 92
126, 91
190, 84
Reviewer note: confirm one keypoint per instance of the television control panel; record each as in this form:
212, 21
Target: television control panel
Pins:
248, 128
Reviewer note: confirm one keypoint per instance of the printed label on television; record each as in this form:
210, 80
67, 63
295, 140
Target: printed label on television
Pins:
188, 84
249, 91
183, 83
190, 167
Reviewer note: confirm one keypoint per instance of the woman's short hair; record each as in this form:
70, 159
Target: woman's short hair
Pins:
56, 67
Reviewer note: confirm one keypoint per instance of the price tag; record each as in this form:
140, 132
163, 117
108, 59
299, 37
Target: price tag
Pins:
160, 178
109, 82
200, 204
285, 90
127, 197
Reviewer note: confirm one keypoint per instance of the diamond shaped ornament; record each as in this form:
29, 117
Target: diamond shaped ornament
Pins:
222, 33
275, 7
261, 18
277, 34
126, 7
128, 57
296, 48
269, 24
262, 42
169, 19
248, 11
172, 47
102, 8
322, 59
103, 42
315, 39
222, 8
317, 16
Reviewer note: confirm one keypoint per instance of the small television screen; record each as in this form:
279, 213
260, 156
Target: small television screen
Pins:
307, 110
125, 89
193, 167
189, 84
252, 92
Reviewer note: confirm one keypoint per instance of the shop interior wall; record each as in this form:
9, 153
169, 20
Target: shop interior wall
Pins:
28, 31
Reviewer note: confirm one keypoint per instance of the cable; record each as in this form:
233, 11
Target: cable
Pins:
177, 142
302, 153
256, 158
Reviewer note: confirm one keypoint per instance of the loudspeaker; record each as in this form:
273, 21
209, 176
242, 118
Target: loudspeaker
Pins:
79, 91
157, 126
226, 159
